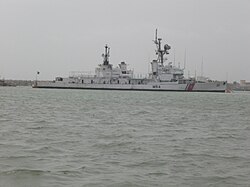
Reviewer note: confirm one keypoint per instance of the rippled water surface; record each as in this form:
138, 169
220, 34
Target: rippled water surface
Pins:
114, 138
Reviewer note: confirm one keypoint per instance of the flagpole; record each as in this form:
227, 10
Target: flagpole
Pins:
37, 72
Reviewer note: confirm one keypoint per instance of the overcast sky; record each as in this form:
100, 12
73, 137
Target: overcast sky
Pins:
59, 36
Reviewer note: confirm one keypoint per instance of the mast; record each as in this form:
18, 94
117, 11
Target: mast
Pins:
159, 51
106, 55
202, 67
156, 36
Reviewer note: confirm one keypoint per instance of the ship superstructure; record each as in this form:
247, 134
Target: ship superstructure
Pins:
164, 76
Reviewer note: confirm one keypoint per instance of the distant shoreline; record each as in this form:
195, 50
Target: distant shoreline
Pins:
16, 82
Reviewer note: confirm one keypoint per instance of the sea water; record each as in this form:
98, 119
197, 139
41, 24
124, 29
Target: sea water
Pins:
91, 138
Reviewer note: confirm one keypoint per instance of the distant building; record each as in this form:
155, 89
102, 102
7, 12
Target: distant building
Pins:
244, 83
242, 86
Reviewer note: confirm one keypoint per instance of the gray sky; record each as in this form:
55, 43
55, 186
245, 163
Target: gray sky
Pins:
59, 36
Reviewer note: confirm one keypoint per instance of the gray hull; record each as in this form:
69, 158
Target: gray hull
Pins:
194, 87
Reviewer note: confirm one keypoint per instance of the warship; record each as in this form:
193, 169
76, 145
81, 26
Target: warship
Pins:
163, 76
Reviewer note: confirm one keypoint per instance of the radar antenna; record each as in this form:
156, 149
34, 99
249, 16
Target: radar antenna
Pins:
106, 55
159, 51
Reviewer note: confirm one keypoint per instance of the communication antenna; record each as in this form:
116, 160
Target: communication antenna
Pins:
174, 57
148, 62
202, 67
156, 38
185, 58
195, 72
